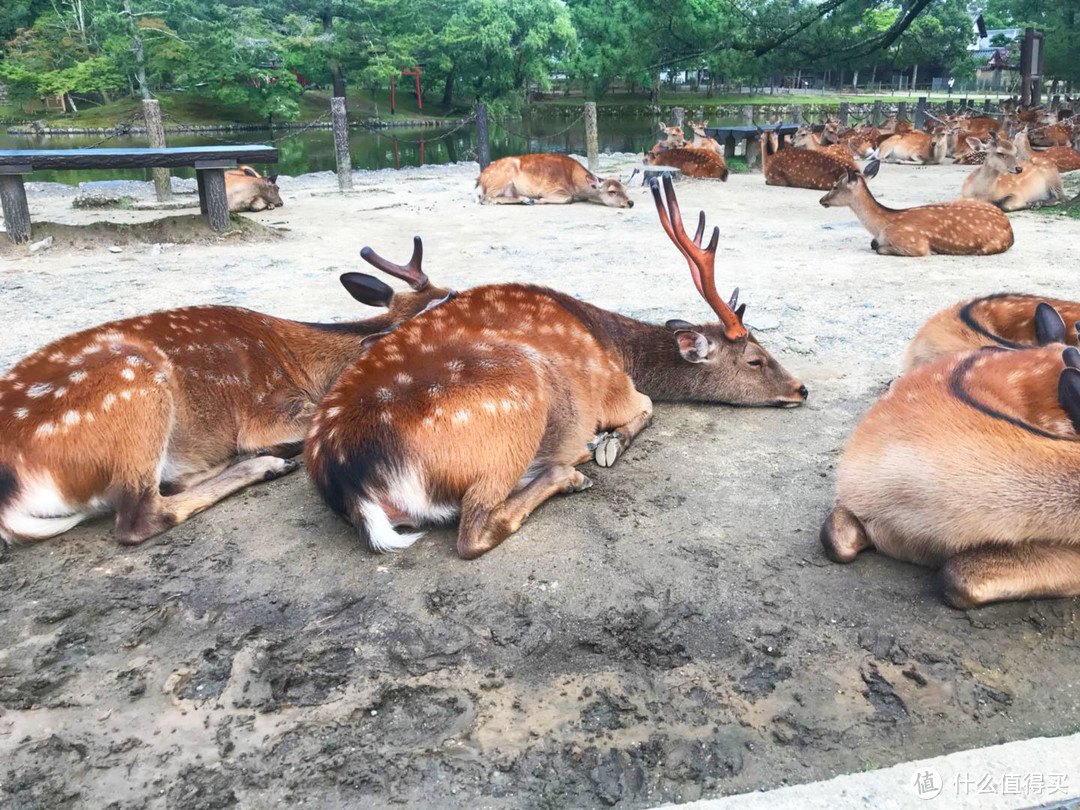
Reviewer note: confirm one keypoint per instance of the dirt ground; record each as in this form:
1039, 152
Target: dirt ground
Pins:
672, 633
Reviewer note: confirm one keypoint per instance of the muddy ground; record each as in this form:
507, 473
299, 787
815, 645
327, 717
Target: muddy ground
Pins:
674, 632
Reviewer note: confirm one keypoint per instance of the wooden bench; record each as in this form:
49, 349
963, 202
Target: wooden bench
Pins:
209, 162
749, 135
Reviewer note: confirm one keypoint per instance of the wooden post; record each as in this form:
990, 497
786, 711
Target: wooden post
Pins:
679, 114
155, 134
1055, 103
753, 150
729, 147
213, 198
796, 113
13, 202
844, 112
920, 112
483, 146
901, 111
949, 107
340, 124
592, 147
986, 105
875, 116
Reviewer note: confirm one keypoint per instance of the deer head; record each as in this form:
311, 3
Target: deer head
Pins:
720, 362
1000, 154
847, 186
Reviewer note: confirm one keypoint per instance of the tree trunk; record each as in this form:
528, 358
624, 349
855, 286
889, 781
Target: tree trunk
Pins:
335, 68
448, 91
914, 75
71, 101
140, 64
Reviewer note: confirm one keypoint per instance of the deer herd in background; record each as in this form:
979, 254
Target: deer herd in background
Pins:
479, 405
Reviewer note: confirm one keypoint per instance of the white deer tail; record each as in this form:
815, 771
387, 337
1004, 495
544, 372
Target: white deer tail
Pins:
380, 532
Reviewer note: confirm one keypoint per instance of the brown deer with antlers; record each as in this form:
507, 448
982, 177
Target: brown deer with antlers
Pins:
968, 464
160, 416
956, 228
1005, 320
484, 406
1009, 183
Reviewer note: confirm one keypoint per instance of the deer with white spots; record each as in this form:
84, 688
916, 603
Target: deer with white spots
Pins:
804, 138
1004, 320
1009, 183
484, 406
799, 168
957, 228
969, 464
160, 416
915, 147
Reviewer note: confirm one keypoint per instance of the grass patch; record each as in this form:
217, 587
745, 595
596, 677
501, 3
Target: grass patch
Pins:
737, 165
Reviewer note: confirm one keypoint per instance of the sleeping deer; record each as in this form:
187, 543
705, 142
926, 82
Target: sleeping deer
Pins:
247, 190
546, 179
969, 464
957, 228
1008, 183
1063, 158
161, 416
804, 138
1006, 320
484, 406
691, 162
799, 168
915, 147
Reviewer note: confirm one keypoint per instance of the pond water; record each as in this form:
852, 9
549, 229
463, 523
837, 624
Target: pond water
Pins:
313, 150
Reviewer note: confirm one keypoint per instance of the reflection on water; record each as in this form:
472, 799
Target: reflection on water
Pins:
313, 150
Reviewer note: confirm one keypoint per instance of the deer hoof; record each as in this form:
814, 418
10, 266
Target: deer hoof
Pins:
606, 448
286, 466
578, 484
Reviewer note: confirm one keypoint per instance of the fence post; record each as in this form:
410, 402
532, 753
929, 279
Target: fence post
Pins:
679, 114
796, 114
920, 112
592, 147
748, 116
483, 146
986, 105
341, 143
875, 118
155, 133
949, 107
901, 111
843, 113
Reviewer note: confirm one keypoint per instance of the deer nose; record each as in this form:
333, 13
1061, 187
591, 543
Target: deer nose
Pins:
803, 392
1018, 169
629, 203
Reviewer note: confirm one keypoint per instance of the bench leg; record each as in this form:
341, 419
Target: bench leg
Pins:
202, 189
217, 202
729, 147
16, 211
753, 151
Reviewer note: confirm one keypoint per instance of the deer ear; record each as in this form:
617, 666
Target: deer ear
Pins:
693, 346
1069, 395
678, 325
250, 172
595, 182
1071, 357
739, 312
974, 143
1049, 328
368, 341
852, 175
871, 169
273, 179
367, 289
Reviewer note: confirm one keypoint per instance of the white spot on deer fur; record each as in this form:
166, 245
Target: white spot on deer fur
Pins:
108, 402
386, 417
403, 379
384, 394
77, 376
72, 418
133, 360
332, 412
45, 429
434, 389
429, 422
461, 416
127, 374
125, 394
21, 413
57, 357
507, 405
38, 390
59, 392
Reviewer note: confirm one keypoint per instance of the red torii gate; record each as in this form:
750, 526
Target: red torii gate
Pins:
416, 71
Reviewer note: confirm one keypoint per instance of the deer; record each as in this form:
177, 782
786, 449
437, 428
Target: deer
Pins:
1063, 158
674, 137
967, 464
915, 147
1004, 320
546, 179
691, 162
247, 190
1010, 184
160, 416
799, 168
956, 228
804, 139
484, 407
703, 141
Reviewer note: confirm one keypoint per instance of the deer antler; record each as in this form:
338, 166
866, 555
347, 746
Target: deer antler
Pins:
701, 261
410, 272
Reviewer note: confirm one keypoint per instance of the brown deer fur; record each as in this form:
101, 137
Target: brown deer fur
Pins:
545, 178
691, 162
969, 464
247, 190
111, 417
804, 139
958, 228
1063, 158
484, 406
1008, 183
800, 168
1005, 319
914, 147
703, 141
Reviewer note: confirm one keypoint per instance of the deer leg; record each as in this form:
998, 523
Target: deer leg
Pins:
482, 528
843, 536
146, 512
999, 573
609, 445
555, 199
906, 246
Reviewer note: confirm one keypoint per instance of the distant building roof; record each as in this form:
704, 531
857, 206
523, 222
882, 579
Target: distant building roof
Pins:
986, 43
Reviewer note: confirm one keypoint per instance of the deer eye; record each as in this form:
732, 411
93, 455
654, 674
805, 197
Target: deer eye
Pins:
754, 363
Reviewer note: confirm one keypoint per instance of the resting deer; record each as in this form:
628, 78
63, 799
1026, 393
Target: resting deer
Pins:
247, 190
915, 147
484, 406
969, 464
158, 416
690, 162
1062, 158
703, 141
1006, 320
1009, 184
957, 228
799, 168
674, 137
804, 139
546, 179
